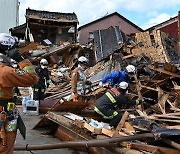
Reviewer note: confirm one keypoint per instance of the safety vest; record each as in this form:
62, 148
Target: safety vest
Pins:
111, 94
78, 80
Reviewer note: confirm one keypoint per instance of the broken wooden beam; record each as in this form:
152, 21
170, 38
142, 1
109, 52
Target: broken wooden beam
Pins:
122, 121
165, 72
151, 148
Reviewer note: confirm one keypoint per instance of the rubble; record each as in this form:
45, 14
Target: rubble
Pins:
156, 57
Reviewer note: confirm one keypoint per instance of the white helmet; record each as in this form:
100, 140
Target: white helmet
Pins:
44, 62
83, 59
130, 69
123, 85
6, 41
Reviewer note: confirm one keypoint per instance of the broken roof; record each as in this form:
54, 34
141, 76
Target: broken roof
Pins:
163, 24
51, 16
107, 16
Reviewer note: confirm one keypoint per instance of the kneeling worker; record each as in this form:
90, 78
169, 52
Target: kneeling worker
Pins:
106, 104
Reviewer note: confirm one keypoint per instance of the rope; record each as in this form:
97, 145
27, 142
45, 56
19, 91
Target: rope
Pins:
29, 150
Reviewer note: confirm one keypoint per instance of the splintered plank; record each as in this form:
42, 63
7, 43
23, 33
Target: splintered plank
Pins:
165, 72
93, 129
110, 133
151, 148
122, 121
129, 127
79, 123
71, 106
28, 47
162, 98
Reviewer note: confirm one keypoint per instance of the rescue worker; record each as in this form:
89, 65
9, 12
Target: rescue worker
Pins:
118, 76
16, 92
106, 104
44, 80
79, 80
10, 77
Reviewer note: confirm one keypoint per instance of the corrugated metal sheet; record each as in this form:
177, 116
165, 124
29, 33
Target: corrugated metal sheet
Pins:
9, 14
108, 41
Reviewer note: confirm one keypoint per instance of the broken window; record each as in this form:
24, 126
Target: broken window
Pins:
91, 36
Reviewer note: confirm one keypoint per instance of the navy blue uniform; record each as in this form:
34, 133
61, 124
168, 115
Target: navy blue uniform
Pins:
106, 105
116, 78
43, 83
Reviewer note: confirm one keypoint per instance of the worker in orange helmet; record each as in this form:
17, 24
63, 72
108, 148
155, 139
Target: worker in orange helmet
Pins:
10, 77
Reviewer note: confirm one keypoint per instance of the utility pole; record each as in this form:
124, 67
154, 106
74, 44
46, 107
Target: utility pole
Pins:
179, 30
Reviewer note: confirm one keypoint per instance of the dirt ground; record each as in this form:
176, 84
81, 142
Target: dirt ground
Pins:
36, 137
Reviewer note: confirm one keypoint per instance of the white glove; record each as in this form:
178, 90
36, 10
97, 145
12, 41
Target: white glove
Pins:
100, 84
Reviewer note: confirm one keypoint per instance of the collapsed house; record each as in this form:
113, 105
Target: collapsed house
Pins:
156, 56
159, 87
47, 27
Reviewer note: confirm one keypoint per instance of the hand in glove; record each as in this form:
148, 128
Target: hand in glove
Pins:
139, 101
14, 54
75, 97
100, 84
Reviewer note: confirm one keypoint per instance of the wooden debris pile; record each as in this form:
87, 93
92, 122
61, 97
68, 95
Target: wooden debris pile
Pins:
156, 57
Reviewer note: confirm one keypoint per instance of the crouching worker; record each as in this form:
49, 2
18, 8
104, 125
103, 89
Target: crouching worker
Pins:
10, 77
106, 104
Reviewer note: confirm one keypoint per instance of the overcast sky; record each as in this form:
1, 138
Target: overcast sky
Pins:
143, 13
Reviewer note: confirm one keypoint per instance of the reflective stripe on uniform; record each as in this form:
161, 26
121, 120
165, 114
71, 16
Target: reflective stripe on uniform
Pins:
10, 106
29, 69
115, 113
47, 81
108, 94
1, 94
36, 89
137, 102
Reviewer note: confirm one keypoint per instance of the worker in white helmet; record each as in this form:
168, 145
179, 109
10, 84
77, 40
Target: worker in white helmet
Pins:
117, 77
106, 105
10, 77
44, 79
79, 80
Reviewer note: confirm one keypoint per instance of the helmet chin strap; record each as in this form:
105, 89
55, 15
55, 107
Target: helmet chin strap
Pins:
43, 67
82, 68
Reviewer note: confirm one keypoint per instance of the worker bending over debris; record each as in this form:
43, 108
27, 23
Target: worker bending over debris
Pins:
10, 77
79, 80
43, 82
116, 77
106, 104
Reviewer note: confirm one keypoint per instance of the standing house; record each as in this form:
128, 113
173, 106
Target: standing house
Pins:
111, 20
170, 27
43, 25
9, 15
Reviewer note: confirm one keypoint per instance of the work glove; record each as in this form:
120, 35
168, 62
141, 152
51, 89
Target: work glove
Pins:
14, 54
139, 101
75, 97
100, 84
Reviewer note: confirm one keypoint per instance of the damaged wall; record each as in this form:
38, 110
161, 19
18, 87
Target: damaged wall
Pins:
160, 47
